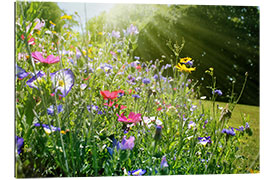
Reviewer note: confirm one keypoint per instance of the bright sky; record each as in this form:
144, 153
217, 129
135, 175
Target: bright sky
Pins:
92, 9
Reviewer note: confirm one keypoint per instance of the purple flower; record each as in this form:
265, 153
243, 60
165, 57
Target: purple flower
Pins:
247, 126
19, 143
136, 57
32, 82
126, 143
78, 53
167, 66
184, 118
205, 140
39, 24
50, 110
241, 128
92, 107
203, 160
83, 86
189, 63
193, 107
106, 67
116, 34
136, 96
146, 81
191, 125
164, 162
229, 131
21, 73
132, 30
137, 172
205, 122
47, 128
218, 92
155, 77
100, 112
63, 81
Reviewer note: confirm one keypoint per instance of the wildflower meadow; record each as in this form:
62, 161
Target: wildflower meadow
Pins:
86, 105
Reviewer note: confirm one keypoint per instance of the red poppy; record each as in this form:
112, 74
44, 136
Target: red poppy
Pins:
110, 95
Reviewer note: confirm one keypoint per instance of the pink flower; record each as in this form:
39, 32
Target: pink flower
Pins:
132, 118
51, 59
39, 24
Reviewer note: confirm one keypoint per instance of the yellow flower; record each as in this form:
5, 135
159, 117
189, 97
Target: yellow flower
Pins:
66, 17
100, 33
90, 50
52, 23
185, 60
183, 68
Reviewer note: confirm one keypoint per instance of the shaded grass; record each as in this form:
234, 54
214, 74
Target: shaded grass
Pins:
250, 145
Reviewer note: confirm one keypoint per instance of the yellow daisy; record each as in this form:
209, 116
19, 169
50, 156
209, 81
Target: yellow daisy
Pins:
66, 17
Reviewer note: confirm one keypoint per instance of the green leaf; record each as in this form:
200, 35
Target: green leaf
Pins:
29, 106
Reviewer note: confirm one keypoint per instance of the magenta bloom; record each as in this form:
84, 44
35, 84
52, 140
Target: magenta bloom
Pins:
127, 143
51, 59
132, 118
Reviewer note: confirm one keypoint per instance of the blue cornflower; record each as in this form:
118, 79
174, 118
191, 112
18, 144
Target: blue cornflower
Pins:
21, 73
241, 128
229, 131
19, 143
218, 92
205, 122
50, 110
205, 140
155, 77
136, 96
247, 125
146, 81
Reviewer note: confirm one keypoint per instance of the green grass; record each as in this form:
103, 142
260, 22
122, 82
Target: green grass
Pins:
250, 147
